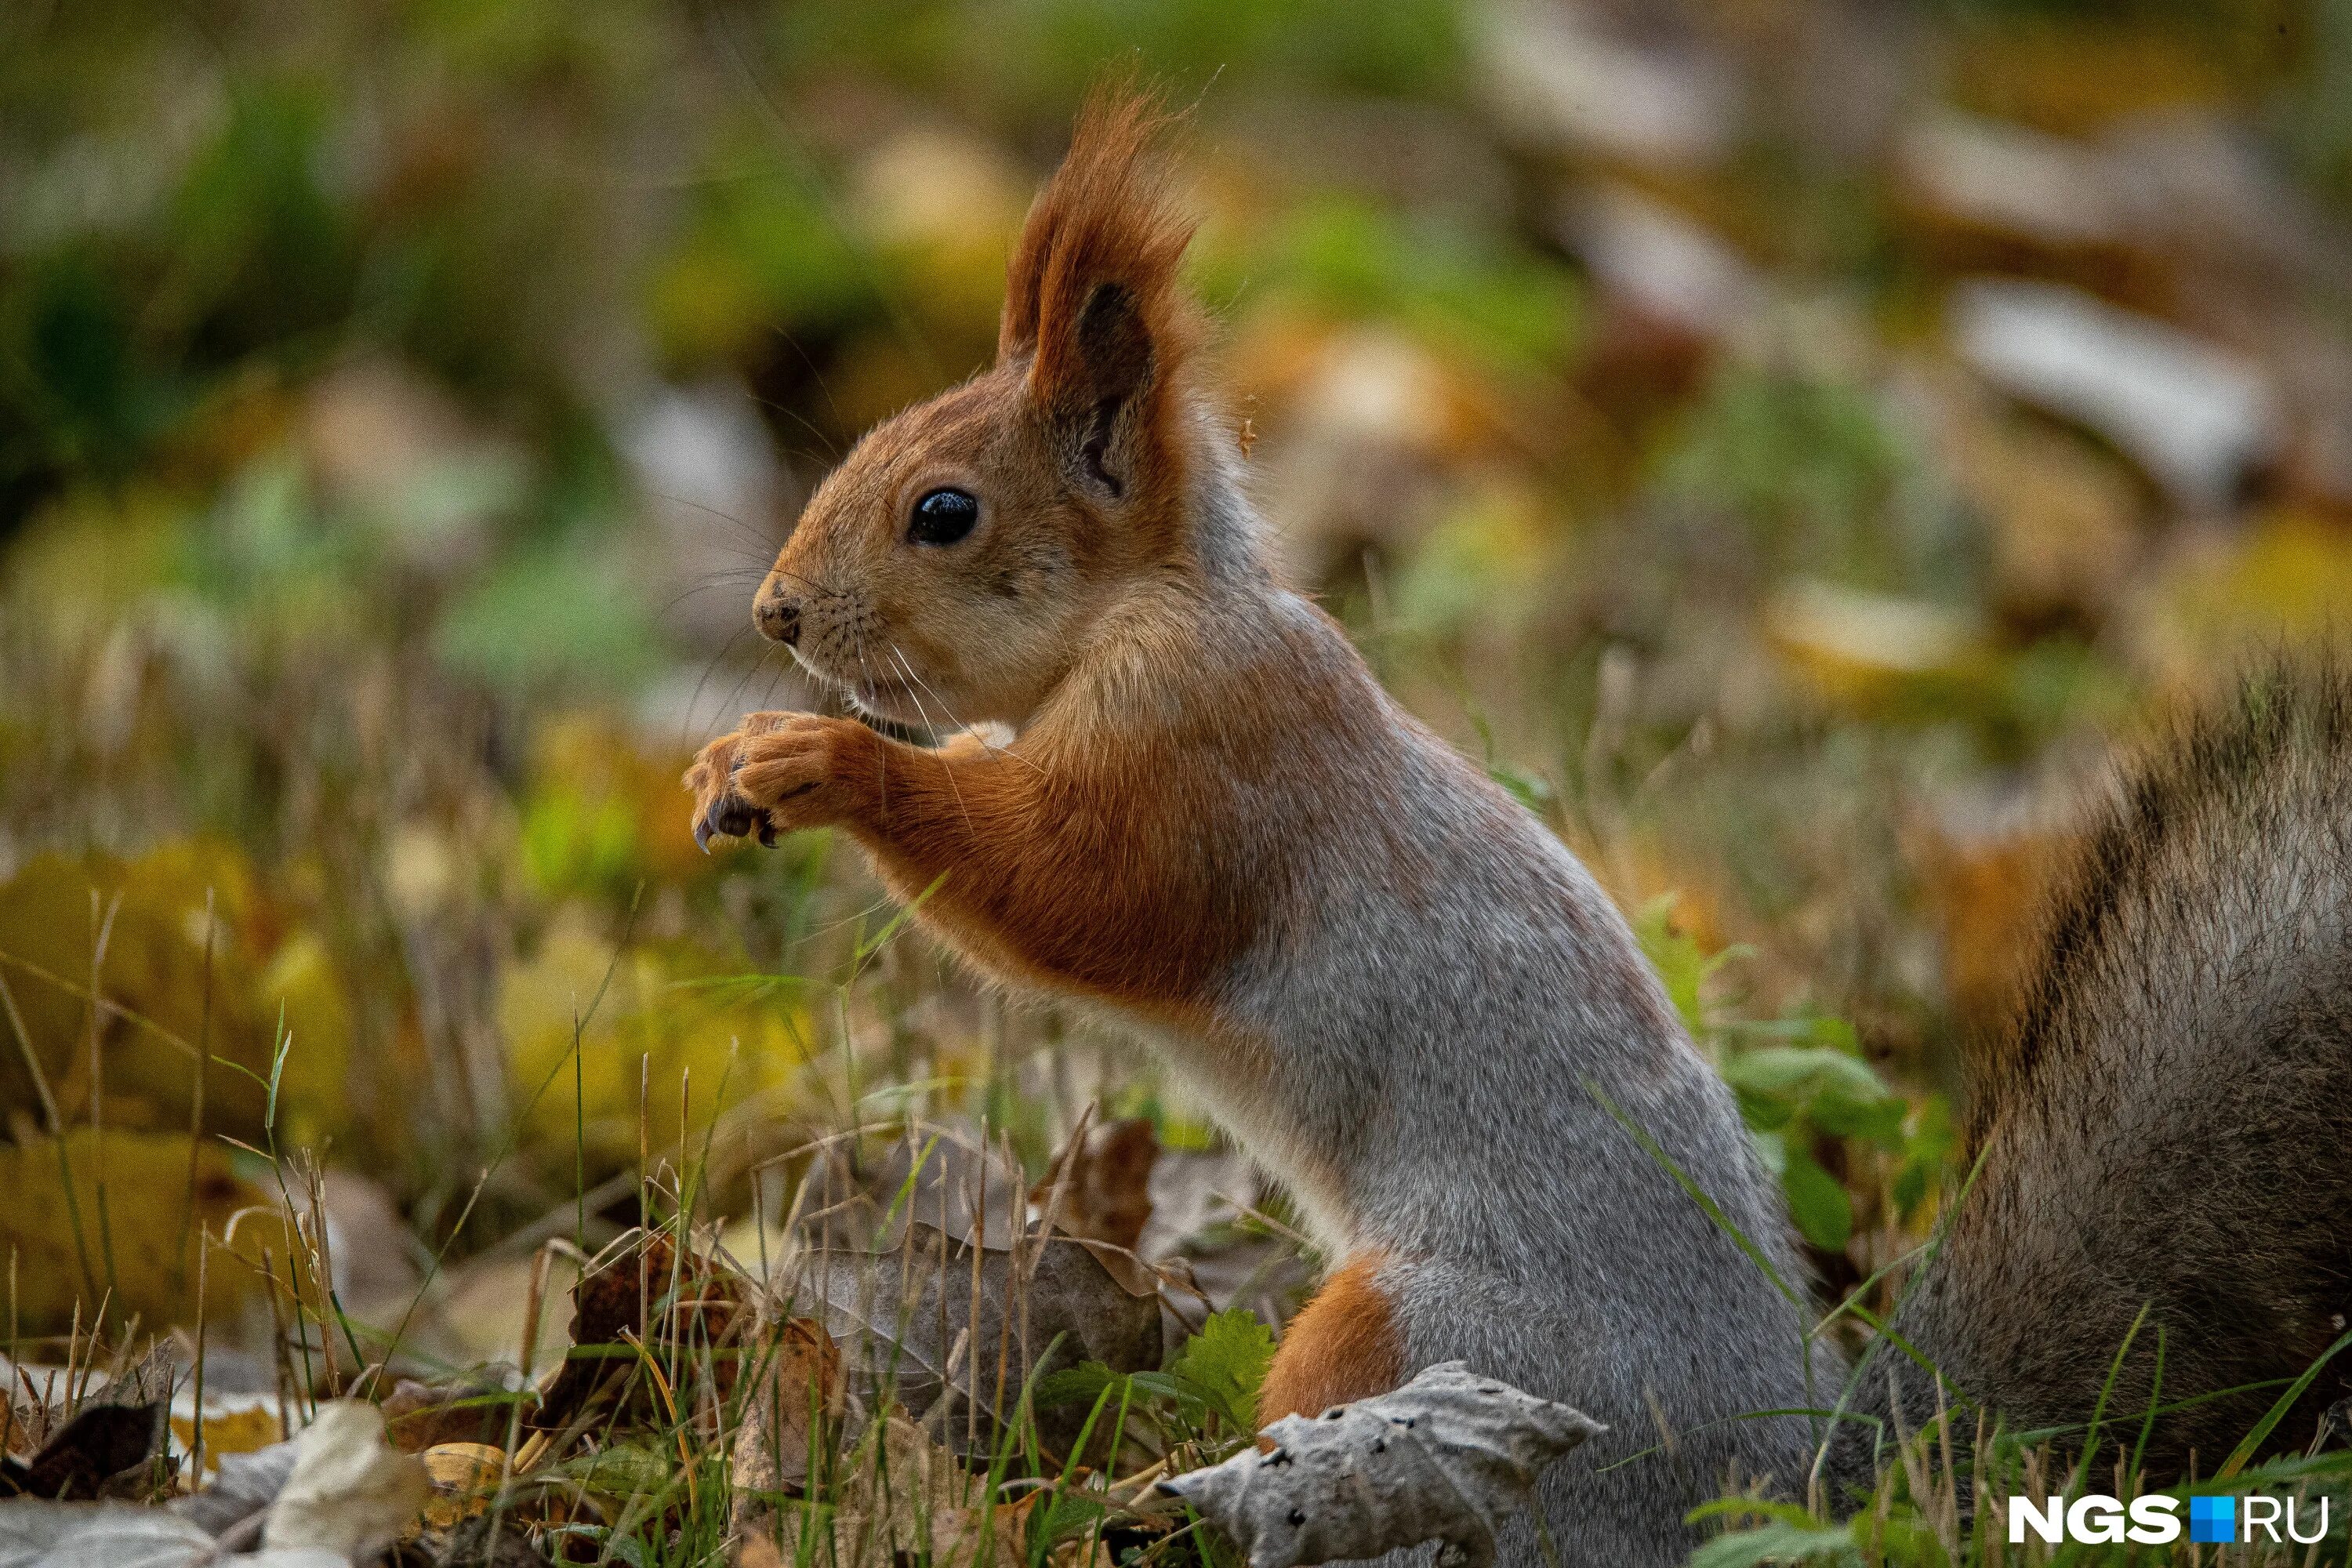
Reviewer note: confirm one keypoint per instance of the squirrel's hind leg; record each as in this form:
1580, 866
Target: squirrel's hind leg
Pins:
1347, 1344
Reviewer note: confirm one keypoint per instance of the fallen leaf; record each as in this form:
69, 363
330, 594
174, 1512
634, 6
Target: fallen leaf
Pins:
2062, 517
1196, 1234
374, 1253
485, 1540
1447, 1458
590, 786
694, 1303
1105, 1183
37, 1533
1558, 79
799, 1393
913, 1317
906, 1498
349, 1491
243, 1486
465, 1477
101, 1443
952, 1184
151, 1223
2194, 415
1659, 266
1195, 1193
2221, 598
40, 1534
232, 1424
2011, 183
420, 1416
484, 1311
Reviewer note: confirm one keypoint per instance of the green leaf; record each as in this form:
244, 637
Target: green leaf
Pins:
1780, 1542
1816, 1201
1879, 1120
1080, 1384
1226, 1362
1928, 1151
1802, 1072
1682, 965
1068, 1515
622, 1470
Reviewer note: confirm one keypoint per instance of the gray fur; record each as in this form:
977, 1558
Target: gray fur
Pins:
1444, 994
1447, 993
2169, 1124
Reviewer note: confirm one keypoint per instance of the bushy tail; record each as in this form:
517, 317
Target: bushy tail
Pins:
2168, 1126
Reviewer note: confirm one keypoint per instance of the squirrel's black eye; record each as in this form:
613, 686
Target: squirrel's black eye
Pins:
942, 517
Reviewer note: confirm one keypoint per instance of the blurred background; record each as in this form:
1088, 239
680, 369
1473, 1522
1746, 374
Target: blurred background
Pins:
1790, 442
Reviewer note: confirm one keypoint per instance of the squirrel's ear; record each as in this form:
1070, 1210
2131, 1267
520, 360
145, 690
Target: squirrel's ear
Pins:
1092, 298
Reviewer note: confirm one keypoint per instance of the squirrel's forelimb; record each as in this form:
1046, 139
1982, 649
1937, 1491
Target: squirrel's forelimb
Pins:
1019, 867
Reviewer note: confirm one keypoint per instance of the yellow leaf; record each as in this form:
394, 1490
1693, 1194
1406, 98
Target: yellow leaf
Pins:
143, 1237
464, 1477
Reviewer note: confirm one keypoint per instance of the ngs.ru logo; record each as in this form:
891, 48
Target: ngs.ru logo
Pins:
2153, 1521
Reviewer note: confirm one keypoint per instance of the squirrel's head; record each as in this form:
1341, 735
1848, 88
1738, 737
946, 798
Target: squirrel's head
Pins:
946, 572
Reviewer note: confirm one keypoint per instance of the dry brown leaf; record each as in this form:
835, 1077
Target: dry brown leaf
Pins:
694, 1304
912, 1315
798, 1398
104, 1441
1105, 1183
420, 1416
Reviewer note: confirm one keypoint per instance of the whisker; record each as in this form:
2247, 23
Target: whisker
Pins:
775, 678
748, 676
687, 726
822, 385
753, 534
833, 453
946, 770
812, 584
866, 677
684, 594
908, 665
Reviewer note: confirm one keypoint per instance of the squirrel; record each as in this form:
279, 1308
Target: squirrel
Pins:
1405, 998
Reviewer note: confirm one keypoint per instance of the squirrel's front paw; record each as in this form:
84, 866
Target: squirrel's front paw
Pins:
772, 775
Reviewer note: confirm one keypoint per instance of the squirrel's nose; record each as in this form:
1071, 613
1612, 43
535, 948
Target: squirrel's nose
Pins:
778, 616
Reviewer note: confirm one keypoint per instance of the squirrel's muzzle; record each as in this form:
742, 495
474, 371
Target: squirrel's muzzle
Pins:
777, 615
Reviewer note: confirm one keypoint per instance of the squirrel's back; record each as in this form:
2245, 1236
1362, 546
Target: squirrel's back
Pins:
2169, 1121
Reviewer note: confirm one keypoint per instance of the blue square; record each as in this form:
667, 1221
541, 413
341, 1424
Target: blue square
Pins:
2212, 1518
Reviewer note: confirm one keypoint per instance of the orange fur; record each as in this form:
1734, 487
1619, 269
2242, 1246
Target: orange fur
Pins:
1093, 855
1105, 218
1084, 873
1070, 859
1343, 1345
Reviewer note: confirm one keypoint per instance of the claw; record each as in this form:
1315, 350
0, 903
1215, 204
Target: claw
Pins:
727, 817
767, 831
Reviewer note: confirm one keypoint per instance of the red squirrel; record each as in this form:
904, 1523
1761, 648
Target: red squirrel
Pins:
1395, 987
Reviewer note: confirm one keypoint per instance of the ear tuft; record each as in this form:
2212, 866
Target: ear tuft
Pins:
1092, 293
